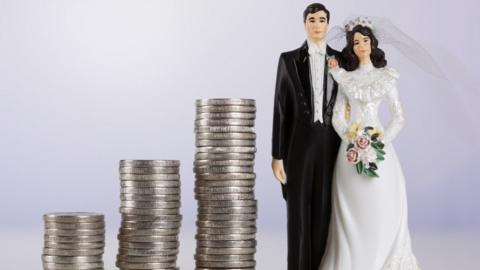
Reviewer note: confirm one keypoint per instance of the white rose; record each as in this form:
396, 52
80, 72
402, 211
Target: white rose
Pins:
368, 155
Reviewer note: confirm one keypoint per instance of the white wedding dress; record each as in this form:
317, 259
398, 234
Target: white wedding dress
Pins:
369, 227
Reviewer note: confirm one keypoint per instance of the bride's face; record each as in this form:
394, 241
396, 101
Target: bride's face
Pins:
361, 45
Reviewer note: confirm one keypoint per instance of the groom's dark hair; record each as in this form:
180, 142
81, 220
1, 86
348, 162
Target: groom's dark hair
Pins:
314, 8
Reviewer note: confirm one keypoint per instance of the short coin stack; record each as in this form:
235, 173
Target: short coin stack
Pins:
151, 219
73, 241
224, 187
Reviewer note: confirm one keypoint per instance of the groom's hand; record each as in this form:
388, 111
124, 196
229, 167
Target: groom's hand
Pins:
278, 171
332, 63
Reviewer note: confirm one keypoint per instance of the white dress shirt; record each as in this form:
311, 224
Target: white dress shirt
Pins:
317, 53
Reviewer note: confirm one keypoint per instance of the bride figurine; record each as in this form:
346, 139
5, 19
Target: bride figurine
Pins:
369, 222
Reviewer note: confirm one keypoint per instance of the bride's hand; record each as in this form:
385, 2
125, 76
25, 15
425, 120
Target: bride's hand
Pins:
333, 63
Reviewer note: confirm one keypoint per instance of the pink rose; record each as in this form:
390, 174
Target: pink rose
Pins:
352, 156
362, 142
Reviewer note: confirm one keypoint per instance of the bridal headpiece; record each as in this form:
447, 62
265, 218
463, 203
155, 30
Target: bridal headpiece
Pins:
360, 20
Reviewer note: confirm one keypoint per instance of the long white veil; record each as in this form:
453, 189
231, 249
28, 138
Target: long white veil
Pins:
389, 34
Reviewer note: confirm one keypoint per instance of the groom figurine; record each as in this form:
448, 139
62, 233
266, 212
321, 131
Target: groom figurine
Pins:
304, 143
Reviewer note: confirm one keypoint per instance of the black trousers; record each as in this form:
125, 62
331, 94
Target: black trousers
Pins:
309, 171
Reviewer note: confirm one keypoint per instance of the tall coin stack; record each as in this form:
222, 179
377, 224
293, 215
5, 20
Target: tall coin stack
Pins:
224, 187
151, 219
73, 241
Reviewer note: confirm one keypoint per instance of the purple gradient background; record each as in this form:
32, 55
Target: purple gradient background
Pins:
84, 84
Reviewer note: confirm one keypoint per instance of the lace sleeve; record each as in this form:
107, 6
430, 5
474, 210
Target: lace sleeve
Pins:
396, 111
340, 114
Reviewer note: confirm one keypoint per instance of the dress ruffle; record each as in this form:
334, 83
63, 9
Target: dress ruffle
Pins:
366, 87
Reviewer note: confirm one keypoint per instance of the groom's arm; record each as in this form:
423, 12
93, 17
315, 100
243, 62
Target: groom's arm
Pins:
335, 64
281, 113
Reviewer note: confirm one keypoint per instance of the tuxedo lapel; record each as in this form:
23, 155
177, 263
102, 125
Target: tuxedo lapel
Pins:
329, 82
302, 72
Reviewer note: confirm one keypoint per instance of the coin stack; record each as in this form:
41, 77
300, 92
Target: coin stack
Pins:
224, 186
150, 208
73, 241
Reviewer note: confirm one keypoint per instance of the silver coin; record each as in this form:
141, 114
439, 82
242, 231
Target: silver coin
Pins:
206, 268
223, 190
149, 184
74, 266
213, 231
150, 205
223, 162
225, 223
149, 170
72, 252
154, 218
157, 250
225, 136
240, 203
225, 101
227, 210
145, 259
233, 246
224, 129
147, 252
224, 176
150, 191
150, 177
229, 183
150, 198
149, 211
138, 266
225, 143
223, 169
224, 257
149, 242
225, 108
149, 163
73, 217
71, 259
224, 156
74, 226
225, 251
227, 216
56, 245
224, 122
152, 232
61, 232
228, 264
75, 239
223, 197
224, 237
141, 225
225, 115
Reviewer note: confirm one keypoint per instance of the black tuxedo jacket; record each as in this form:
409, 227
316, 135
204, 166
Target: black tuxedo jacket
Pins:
294, 97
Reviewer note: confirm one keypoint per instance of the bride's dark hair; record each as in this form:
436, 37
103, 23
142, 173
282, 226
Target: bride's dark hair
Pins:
350, 60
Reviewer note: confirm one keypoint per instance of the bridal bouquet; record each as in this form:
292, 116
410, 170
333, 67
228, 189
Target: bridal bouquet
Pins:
365, 149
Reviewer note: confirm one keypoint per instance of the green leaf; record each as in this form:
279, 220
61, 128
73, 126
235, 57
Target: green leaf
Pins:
360, 167
375, 137
381, 145
373, 166
371, 173
380, 151
368, 128
380, 157
375, 146
350, 146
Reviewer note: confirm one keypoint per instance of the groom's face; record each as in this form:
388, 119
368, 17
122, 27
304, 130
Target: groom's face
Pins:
316, 25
